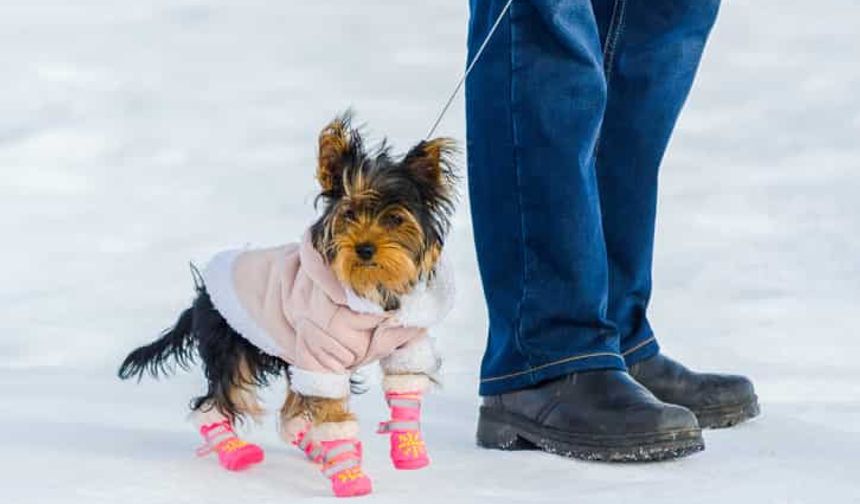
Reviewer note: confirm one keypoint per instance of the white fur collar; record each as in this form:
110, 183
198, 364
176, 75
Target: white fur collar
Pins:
427, 304
359, 304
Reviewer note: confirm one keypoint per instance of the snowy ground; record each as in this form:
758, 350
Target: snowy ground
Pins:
136, 135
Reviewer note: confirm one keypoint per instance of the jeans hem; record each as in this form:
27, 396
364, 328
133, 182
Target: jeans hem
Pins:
522, 379
641, 351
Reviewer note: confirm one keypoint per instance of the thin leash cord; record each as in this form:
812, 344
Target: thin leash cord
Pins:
468, 70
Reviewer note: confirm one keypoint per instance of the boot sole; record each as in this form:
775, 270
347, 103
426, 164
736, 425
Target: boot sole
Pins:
727, 416
505, 431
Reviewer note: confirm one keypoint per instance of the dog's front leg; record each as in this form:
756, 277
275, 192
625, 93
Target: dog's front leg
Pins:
408, 372
324, 428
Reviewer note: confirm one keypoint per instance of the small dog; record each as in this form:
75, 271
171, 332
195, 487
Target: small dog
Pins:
364, 284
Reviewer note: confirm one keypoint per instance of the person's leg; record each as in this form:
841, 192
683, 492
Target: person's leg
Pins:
652, 50
552, 376
534, 106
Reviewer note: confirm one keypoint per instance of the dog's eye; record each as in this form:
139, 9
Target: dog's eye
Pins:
392, 221
349, 214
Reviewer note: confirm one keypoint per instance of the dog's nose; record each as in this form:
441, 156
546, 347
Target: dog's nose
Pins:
365, 250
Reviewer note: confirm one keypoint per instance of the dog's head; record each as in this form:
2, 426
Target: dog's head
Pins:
385, 218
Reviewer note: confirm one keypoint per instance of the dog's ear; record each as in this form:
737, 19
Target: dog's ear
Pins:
339, 145
432, 161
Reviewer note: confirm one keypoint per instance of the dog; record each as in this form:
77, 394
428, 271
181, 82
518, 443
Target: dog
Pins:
364, 284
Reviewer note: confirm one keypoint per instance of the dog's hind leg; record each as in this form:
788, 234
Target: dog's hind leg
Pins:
234, 369
234, 454
217, 431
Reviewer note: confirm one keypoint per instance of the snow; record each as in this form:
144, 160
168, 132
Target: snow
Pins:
135, 136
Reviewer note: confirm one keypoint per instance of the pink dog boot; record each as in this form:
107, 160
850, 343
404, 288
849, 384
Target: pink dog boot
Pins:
407, 445
342, 465
233, 453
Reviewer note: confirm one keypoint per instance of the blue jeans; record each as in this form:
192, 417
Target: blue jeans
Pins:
569, 112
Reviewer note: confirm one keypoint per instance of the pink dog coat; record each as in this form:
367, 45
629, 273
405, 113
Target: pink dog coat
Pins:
288, 302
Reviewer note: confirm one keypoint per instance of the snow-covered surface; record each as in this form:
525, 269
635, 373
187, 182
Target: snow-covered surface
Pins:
136, 135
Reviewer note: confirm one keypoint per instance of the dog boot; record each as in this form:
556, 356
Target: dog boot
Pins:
336, 447
407, 445
233, 453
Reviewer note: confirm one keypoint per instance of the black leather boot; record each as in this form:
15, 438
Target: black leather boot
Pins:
717, 400
593, 415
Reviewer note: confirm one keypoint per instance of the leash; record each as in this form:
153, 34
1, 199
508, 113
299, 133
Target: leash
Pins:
469, 68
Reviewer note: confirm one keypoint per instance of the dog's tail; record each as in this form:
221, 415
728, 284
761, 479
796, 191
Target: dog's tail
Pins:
177, 343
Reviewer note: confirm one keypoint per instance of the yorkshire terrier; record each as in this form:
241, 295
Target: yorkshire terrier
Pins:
364, 284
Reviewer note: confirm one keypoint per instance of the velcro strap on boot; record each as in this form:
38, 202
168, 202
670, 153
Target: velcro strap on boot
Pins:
214, 438
330, 471
340, 449
395, 426
397, 402
340, 458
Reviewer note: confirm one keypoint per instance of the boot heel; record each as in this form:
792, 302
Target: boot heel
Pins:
498, 435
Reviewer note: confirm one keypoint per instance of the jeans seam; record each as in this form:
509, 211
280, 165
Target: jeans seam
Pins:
609, 30
616, 28
613, 34
638, 346
551, 364
517, 165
